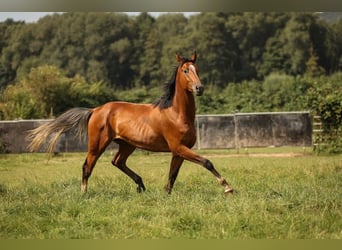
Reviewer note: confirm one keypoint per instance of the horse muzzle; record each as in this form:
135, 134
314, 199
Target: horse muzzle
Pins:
198, 89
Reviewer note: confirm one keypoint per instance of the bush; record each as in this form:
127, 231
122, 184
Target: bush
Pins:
46, 92
324, 99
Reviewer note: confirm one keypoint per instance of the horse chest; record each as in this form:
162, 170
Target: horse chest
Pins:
190, 138
187, 134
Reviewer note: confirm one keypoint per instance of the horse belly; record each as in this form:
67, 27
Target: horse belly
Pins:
153, 144
139, 134
148, 142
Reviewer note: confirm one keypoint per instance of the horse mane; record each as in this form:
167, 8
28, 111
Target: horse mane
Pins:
165, 101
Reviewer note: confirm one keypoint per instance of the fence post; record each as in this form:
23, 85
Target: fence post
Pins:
236, 136
317, 131
198, 134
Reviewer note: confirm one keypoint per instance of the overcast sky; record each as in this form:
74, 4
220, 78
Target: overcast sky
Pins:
23, 16
35, 16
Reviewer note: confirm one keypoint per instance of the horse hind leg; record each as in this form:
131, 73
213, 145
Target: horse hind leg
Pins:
96, 146
87, 169
125, 150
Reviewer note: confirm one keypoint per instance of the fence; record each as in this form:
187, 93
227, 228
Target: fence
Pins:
241, 130
244, 130
317, 130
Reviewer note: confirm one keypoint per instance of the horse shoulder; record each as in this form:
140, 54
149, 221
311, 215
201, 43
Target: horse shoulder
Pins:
178, 130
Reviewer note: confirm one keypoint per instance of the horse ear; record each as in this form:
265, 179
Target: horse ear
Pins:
179, 59
194, 57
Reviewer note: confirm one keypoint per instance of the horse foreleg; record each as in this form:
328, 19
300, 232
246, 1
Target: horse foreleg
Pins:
227, 188
189, 155
125, 150
175, 165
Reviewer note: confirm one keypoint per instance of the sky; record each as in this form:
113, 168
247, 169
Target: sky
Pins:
35, 16
23, 16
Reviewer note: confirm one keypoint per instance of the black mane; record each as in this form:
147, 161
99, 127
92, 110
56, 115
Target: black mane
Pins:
165, 101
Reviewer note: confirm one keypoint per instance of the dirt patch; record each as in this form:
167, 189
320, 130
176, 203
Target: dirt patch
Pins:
276, 155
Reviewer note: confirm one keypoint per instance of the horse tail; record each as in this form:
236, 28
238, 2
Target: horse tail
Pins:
76, 119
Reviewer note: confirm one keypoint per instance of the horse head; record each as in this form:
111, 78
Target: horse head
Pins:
189, 78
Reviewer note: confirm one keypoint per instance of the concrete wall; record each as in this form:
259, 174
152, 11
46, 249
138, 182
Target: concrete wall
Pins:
239, 130
243, 130
13, 133
215, 131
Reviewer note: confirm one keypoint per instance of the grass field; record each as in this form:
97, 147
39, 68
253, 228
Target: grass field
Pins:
279, 197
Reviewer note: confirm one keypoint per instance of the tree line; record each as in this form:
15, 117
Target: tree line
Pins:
132, 51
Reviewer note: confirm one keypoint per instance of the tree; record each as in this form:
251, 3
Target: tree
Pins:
150, 73
18, 103
324, 100
216, 47
251, 31
13, 49
289, 50
94, 45
332, 55
122, 51
313, 69
171, 30
46, 91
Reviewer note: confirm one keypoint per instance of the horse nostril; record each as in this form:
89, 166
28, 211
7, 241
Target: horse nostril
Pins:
199, 90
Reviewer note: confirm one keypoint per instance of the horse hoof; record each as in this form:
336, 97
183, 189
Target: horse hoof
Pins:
229, 192
140, 189
83, 189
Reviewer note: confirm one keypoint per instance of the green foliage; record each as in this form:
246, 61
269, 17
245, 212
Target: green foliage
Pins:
253, 32
46, 92
217, 49
140, 95
19, 103
325, 100
312, 67
124, 51
278, 92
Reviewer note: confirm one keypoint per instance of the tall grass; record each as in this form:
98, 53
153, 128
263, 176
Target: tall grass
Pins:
278, 198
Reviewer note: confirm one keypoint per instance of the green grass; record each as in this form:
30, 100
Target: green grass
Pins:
278, 198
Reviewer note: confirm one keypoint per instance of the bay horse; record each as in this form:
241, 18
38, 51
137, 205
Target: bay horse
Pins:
166, 125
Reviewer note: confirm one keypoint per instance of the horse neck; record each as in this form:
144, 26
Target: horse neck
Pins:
184, 103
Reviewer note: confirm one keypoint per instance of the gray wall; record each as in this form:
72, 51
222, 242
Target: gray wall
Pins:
13, 133
243, 130
239, 130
